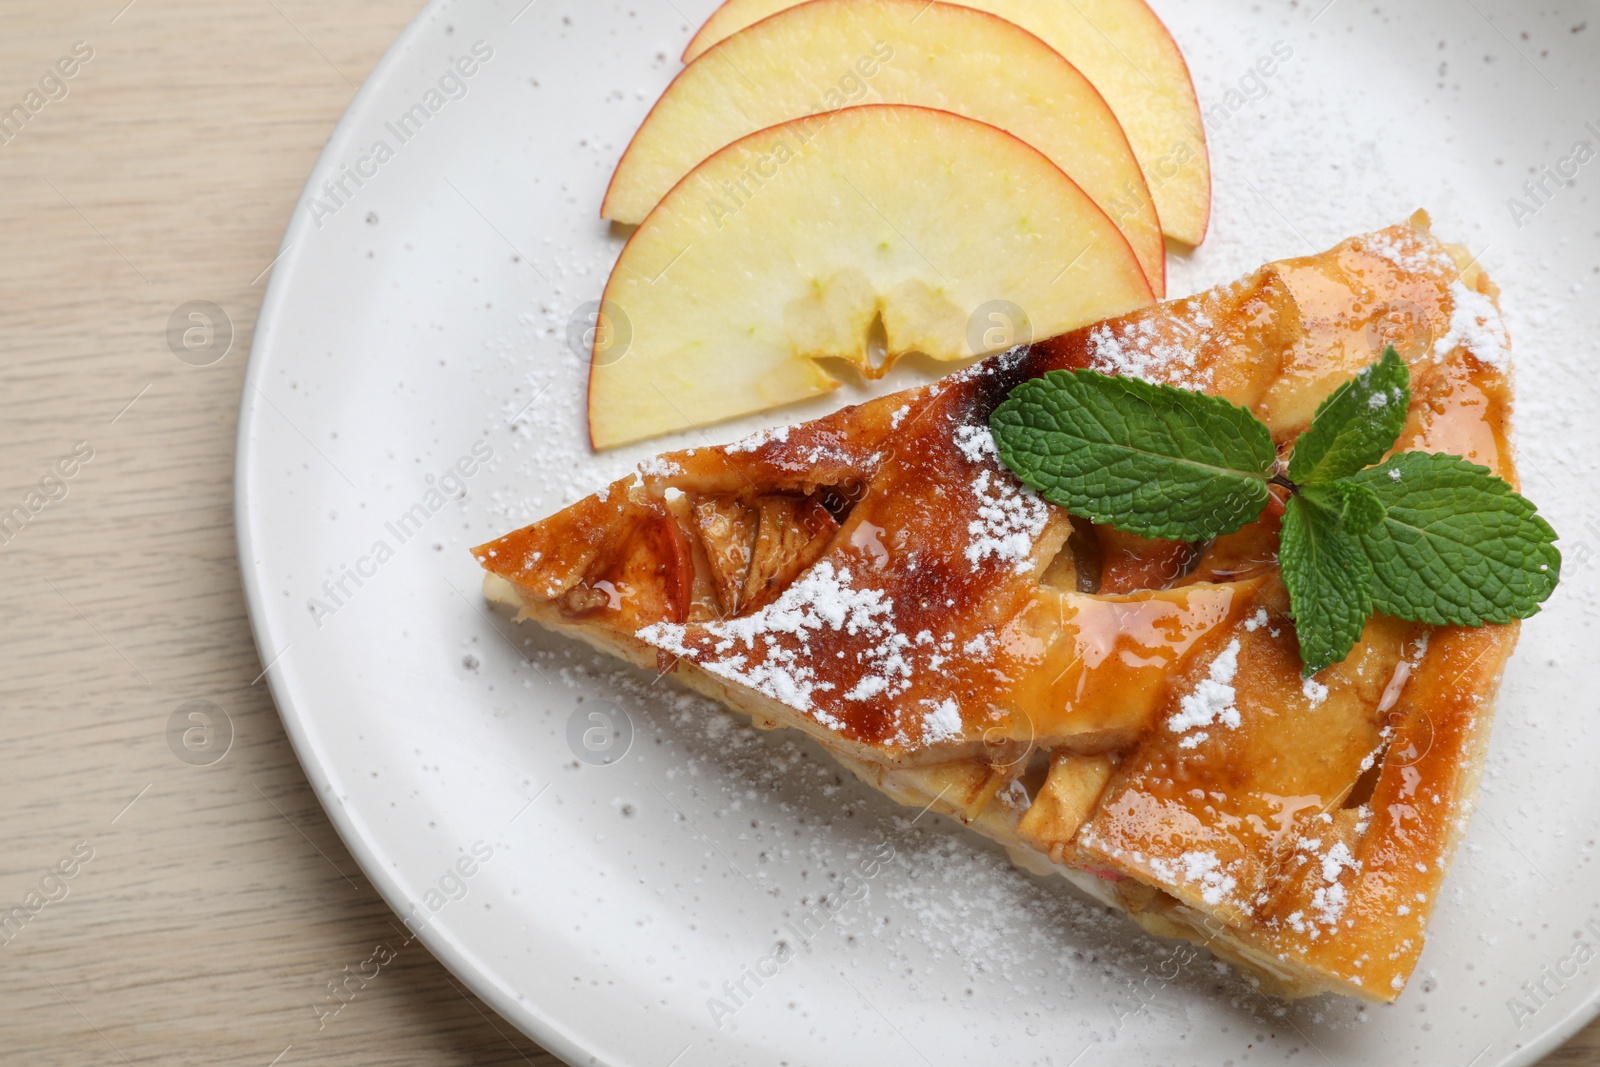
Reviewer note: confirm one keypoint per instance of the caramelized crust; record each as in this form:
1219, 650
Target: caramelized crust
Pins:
880, 581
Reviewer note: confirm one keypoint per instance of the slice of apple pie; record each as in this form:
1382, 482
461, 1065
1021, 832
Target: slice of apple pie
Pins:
1125, 712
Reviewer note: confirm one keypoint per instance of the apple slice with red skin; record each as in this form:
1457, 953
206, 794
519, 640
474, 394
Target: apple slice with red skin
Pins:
827, 54
1125, 50
787, 246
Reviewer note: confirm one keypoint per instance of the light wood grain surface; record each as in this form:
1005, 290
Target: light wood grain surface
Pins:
218, 903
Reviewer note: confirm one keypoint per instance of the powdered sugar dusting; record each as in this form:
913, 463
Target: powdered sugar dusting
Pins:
1010, 519
999, 363
1197, 867
977, 646
1410, 250
1314, 691
748, 652
756, 440
1475, 325
1139, 350
976, 442
1010, 515
658, 467
1380, 400
1330, 900
1205, 868
943, 723
1212, 701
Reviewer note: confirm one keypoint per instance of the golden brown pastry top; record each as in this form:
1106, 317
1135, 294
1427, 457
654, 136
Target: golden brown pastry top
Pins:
879, 571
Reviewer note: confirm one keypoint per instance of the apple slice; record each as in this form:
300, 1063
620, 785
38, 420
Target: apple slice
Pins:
828, 54
787, 246
1120, 46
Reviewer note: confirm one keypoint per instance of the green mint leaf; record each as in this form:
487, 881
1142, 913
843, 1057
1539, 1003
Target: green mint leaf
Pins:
1355, 426
1329, 581
1356, 508
1149, 459
1456, 545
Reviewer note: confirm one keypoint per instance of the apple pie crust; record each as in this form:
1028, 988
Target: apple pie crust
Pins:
1123, 712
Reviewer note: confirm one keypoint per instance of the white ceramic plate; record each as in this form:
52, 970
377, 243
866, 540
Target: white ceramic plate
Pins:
418, 319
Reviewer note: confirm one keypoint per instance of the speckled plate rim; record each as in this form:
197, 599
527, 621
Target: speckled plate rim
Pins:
529, 1017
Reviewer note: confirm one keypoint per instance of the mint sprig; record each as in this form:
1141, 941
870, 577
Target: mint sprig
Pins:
1357, 425
1324, 565
1456, 545
1149, 459
1354, 507
1421, 536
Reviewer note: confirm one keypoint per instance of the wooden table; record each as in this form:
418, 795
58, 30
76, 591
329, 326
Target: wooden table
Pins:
218, 903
